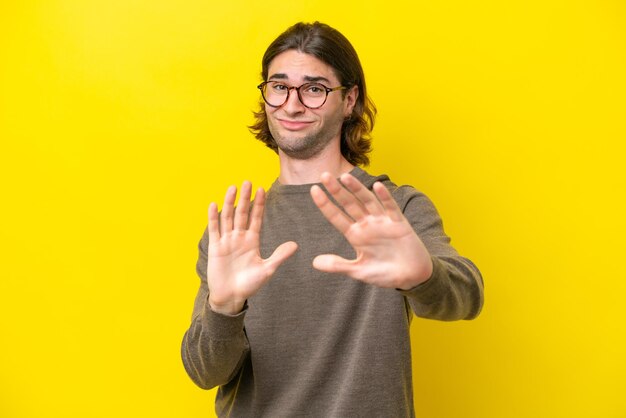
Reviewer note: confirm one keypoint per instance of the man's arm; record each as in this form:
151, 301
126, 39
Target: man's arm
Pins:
231, 270
403, 248
455, 291
455, 288
215, 345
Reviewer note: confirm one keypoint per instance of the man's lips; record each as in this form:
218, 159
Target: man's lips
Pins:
294, 125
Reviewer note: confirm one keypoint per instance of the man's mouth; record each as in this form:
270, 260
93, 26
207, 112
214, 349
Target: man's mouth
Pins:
294, 125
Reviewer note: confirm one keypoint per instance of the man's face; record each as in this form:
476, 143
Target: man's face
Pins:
300, 132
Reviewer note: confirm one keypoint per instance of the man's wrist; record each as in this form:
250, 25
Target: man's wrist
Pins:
230, 308
422, 277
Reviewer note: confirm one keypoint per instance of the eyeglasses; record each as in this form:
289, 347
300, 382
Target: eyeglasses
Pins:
311, 95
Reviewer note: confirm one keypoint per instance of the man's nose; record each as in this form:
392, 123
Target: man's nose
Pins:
293, 103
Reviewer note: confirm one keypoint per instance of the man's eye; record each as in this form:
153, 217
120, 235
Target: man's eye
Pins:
314, 89
279, 87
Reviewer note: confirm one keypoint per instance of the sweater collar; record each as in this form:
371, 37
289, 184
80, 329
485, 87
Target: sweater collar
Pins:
357, 172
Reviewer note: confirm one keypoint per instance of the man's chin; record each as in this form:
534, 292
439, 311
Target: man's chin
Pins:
299, 153
298, 150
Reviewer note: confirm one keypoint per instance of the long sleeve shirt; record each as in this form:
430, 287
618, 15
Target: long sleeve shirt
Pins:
316, 344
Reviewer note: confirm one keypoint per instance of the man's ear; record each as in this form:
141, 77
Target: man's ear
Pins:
350, 100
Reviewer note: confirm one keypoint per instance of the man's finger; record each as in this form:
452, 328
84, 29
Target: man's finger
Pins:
280, 254
243, 207
350, 204
226, 218
366, 197
389, 203
332, 213
331, 263
213, 228
256, 215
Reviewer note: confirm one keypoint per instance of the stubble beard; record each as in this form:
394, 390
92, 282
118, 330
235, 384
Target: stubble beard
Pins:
301, 148
308, 146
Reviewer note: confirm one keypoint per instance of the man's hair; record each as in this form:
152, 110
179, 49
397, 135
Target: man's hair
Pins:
331, 47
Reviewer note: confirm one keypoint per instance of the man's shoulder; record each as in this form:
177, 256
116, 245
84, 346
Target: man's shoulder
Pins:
368, 179
401, 193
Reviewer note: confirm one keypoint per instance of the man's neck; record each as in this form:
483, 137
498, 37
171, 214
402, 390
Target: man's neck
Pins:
293, 171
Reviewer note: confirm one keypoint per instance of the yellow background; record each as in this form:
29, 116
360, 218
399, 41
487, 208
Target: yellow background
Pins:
121, 120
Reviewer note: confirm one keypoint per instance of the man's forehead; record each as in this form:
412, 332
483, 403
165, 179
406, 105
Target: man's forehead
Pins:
296, 65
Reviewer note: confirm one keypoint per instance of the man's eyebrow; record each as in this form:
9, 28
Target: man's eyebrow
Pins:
278, 76
307, 78
315, 79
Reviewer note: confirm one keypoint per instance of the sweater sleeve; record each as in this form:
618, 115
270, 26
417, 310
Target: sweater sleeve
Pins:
455, 289
215, 345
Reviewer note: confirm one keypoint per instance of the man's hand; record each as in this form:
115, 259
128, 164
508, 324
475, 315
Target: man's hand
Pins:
388, 251
235, 269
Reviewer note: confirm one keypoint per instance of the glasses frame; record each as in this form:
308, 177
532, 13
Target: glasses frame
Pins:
297, 89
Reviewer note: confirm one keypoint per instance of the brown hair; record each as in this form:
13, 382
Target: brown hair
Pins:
331, 47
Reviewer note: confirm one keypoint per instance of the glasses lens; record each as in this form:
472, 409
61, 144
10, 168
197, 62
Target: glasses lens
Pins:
312, 94
275, 93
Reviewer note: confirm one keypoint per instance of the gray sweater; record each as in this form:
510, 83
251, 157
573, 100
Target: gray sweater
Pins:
317, 344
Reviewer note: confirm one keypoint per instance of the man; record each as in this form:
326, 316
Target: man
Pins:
307, 293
